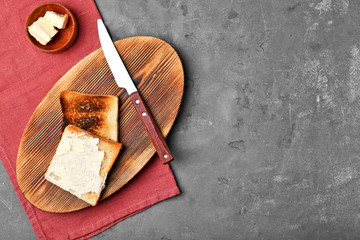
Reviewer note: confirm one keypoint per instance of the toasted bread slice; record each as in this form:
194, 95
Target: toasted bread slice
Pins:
97, 114
81, 163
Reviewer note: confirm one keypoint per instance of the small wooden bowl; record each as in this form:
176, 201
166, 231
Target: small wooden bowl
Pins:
64, 38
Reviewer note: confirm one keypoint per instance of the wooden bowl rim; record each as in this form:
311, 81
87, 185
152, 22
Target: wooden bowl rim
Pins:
71, 38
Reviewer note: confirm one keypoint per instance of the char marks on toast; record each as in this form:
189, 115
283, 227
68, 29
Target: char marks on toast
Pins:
97, 114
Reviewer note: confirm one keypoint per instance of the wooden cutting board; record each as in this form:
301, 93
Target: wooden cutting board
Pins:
157, 71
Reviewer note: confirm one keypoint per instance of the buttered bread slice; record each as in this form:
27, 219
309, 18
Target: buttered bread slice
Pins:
97, 114
81, 163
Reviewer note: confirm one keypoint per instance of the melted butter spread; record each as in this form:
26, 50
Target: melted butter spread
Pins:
76, 164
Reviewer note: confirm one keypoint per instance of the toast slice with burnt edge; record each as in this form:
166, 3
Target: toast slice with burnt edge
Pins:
97, 114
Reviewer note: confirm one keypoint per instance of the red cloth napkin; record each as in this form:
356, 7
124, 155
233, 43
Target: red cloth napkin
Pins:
27, 74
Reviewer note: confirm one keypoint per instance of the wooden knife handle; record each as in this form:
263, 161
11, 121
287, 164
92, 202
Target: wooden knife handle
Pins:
151, 128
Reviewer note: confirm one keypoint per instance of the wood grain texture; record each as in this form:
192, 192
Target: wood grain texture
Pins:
153, 131
156, 70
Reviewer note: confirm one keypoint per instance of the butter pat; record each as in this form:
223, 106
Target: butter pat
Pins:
42, 31
76, 164
56, 19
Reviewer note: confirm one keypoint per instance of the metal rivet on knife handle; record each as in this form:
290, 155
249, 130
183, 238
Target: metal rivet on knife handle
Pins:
152, 129
123, 80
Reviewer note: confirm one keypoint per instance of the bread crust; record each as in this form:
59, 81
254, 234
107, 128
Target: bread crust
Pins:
97, 114
111, 150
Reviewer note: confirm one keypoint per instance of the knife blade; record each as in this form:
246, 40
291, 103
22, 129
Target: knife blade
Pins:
123, 80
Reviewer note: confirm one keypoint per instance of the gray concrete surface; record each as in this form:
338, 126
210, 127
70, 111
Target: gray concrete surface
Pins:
267, 142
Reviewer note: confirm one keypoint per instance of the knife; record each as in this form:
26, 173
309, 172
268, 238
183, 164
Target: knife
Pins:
123, 80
